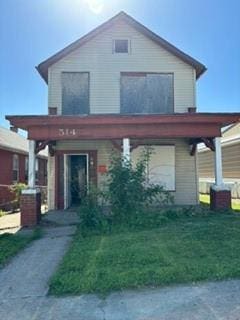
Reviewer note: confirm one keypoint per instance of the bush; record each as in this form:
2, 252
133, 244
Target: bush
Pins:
17, 190
127, 194
129, 191
91, 211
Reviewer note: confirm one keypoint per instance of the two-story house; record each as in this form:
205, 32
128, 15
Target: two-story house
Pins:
117, 89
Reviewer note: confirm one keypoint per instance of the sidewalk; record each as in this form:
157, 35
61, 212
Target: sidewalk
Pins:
24, 287
10, 223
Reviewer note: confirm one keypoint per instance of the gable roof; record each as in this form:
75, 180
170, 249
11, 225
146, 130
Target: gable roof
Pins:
43, 67
14, 142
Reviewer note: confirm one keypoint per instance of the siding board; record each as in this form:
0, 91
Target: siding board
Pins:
105, 70
230, 160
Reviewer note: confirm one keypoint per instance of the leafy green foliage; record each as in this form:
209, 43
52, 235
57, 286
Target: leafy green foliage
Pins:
127, 196
2, 213
91, 212
129, 191
17, 189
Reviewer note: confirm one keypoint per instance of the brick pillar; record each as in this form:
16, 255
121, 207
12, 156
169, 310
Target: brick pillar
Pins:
220, 199
30, 207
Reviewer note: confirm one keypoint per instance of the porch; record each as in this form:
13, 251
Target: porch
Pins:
94, 138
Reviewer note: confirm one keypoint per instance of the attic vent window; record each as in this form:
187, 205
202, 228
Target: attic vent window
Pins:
121, 46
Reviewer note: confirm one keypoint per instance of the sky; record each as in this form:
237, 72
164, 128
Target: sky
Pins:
33, 30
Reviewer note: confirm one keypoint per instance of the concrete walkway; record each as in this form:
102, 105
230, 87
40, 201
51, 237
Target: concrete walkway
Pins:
10, 223
211, 301
24, 286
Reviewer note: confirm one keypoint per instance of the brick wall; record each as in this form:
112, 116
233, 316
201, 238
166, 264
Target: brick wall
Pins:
220, 199
30, 206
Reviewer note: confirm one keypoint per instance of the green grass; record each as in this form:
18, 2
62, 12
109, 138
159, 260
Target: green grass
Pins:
2, 213
205, 198
180, 250
11, 244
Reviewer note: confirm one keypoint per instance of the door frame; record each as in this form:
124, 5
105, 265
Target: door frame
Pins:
59, 162
66, 158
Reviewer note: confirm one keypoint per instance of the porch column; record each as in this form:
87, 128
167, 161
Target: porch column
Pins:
220, 195
126, 149
218, 163
30, 201
31, 164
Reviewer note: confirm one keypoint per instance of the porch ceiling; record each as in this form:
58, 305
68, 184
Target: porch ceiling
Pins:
189, 125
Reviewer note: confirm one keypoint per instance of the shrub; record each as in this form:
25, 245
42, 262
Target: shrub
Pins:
129, 191
91, 211
127, 194
17, 190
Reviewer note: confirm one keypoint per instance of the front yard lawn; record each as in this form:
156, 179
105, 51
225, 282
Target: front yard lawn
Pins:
185, 249
11, 244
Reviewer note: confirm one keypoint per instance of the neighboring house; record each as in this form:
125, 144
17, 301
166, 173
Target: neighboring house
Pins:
230, 142
14, 165
117, 89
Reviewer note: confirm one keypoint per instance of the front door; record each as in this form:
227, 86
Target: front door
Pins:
76, 179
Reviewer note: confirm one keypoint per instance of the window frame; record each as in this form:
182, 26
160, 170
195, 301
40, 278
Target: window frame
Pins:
121, 39
15, 157
26, 165
144, 74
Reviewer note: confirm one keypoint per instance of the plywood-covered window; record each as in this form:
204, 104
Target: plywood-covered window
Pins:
147, 93
161, 165
75, 93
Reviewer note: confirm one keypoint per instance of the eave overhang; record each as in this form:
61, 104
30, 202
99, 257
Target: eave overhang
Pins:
43, 67
99, 127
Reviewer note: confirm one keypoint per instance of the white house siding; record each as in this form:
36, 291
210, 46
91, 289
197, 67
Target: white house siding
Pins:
186, 191
96, 57
230, 159
232, 131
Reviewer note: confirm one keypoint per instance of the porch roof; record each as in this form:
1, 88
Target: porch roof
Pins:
115, 126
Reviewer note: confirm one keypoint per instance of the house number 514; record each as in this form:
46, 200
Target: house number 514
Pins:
67, 132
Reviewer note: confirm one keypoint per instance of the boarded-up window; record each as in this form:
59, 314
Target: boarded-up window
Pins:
143, 93
161, 165
75, 93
